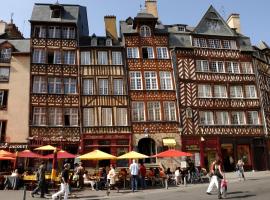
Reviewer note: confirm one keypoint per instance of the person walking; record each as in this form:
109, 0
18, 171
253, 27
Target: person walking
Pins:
142, 175
134, 170
80, 173
240, 169
41, 181
64, 189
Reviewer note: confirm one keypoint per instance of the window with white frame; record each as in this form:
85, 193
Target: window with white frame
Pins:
102, 58
39, 84
68, 32
220, 91
145, 31
202, 66
150, 80
118, 88
55, 116
226, 44
162, 53
169, 111
135, 80
217, 66
5, 54
233, 67
237, 118
222, 118
214, 43
4, 74
70, 85
108, 42
55, 85
3, 99
204, 91
117, 58
54, 32
85, 58
253, 117
236, 91
165, 80
233, 44
69, 57
206, 118
153, 109
54, 57
89, 117
250, 91
40, 31
147, 52
106, 116
246, 68
94, 41
103, 86
121, 117
39, 56
138, 111
203, 43
132, 52
196, 42
71, 117
88, 86
39, 116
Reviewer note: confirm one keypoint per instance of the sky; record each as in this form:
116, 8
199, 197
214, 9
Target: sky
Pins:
254, 15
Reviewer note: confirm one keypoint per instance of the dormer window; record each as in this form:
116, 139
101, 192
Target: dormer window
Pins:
108, 42
56, 13
94, 41
6, 53
145, 31
181, 29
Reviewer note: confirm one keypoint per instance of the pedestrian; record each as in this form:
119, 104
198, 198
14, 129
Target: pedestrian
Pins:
80, 173
134, 171
177, 176
40, 176
142, 175
112, 178
216, 177
240, 169
64, 188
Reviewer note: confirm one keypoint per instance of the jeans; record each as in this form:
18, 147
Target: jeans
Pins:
143, 184
134, 182
64, 189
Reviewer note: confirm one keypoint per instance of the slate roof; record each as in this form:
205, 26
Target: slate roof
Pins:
22, 46
101, 42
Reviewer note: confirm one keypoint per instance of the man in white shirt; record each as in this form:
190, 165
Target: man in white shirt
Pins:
134, 171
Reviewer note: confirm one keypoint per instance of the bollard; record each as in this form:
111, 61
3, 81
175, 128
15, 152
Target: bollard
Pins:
24, 192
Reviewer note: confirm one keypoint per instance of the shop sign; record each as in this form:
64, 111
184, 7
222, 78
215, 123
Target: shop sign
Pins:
193, 147
13, 146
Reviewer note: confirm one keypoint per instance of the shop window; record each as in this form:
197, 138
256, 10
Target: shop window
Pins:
104, 142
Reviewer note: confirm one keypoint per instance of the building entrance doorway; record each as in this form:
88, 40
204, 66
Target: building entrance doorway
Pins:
147, 146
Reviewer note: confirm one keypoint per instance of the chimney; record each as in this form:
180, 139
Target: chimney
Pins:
151, 7
3, 26
234, 22
110, 27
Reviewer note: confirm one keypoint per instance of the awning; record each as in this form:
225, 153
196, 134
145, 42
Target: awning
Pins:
169, 142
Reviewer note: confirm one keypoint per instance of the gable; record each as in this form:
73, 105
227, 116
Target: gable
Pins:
6, 45
213, 24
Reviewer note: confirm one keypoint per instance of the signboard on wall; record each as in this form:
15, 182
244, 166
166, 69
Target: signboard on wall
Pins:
197, 159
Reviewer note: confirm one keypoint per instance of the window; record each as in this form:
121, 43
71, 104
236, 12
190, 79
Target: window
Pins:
55, 85
54, 32
236, 92
103, 86
220, 91
222, 118
5, 54
214, 43
3, 99
118, 87
233, 44
145, 31
56, 13
165, 80
102, 57
54, 57
40, 84
138, 111
196, 42
3, 125
238, 118
217, 66
106, 117
147, 52
204, 91
153, 111
70, 85
40, 31
108, 42
39, 116
68, 33
88, 117
135, 80
121, 117
4, 74
233, 67
206, 118
250, 91
71, 117
88, 86
169, 111
203, 42
252, 118
55, 117
226, 44
202, 66
181, 28
39, 56
117, 58
246, 68
85, 58
162, 53
150, 80
132, 52
69, 57
94, 41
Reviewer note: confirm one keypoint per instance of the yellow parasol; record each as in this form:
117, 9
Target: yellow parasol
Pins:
132, 155
96, 155
46, 148
6, 153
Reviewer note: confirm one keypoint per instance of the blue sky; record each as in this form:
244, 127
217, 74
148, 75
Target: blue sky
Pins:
255, 15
